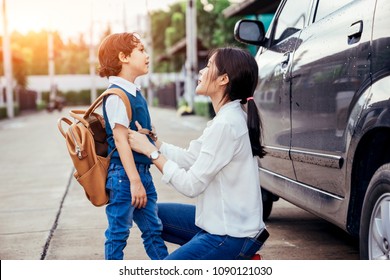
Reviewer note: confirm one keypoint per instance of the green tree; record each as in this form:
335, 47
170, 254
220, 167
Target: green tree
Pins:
167, 29
36, 45
73, 58
176, 31
32, 48
20, 59
214, 30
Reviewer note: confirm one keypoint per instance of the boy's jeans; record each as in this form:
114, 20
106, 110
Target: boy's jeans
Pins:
197, 244
120, 215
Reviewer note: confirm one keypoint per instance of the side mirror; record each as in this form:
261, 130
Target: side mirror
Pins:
250, 32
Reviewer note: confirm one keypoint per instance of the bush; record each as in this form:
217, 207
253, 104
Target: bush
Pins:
204, 109
42, 105
82, 97
3, 111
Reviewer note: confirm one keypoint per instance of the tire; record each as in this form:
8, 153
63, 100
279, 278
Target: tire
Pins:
375, 220
268, 201
267, 209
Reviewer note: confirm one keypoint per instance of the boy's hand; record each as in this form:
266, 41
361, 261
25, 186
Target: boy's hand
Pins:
138, 194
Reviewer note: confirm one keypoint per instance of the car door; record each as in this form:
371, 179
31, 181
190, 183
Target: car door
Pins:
273, 92
329, 70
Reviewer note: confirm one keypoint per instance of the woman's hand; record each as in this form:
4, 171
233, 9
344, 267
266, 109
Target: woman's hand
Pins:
139, 142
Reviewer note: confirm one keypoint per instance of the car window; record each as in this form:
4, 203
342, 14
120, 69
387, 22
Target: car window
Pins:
326, 7
291, 19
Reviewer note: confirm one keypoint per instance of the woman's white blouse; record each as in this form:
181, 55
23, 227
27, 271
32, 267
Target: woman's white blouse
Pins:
218, 168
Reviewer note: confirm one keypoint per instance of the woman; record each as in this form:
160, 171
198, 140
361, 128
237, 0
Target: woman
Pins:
219, 168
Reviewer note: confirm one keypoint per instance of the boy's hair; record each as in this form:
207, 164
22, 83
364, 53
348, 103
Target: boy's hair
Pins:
110, 48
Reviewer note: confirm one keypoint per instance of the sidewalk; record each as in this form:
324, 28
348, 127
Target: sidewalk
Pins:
44, 213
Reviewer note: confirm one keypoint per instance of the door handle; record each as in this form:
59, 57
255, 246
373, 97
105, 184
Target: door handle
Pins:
355, 32
284, 66
285, 60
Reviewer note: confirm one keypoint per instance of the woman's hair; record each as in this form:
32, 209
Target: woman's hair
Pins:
109, 50
242, 70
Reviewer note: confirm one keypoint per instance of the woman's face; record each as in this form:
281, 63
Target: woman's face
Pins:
207, 79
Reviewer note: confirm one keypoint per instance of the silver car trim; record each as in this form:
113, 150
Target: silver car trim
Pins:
317, 158
325, 160
300, 184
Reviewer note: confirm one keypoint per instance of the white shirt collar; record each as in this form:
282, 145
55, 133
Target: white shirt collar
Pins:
231, 104
125, 84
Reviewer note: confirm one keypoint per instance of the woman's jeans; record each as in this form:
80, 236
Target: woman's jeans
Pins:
179, 228
120, 215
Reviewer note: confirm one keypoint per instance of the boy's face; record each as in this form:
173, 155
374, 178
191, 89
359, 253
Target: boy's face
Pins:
138, 61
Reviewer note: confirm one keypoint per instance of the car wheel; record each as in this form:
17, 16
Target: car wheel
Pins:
267, 208
375, 220
268, 202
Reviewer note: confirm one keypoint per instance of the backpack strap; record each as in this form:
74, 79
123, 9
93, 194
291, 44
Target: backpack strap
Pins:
109, 91
126, 101
82, 115
59, 124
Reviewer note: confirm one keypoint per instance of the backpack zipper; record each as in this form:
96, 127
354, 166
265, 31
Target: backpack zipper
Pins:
77, 149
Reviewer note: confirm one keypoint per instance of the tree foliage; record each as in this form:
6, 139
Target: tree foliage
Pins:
30, 51
30, 55
213, 30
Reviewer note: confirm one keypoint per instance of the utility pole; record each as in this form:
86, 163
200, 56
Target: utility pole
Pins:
50, 44
92, 70
192, 58
124, 17
149, 42
7, 61
92, 60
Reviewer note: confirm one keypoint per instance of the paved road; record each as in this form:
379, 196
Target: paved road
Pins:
299, 235
45, 215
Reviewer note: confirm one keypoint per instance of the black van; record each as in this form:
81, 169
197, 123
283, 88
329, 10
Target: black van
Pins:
324, 98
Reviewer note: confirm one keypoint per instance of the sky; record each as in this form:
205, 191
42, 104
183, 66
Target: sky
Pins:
72, 17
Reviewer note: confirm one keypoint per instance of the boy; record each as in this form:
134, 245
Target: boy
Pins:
133, 196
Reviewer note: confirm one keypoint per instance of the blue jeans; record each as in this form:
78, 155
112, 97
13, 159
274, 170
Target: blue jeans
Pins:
179, 228
120, 214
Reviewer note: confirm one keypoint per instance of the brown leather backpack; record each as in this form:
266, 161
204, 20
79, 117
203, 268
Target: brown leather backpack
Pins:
87, 144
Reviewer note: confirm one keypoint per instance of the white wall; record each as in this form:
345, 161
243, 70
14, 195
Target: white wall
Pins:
82, 82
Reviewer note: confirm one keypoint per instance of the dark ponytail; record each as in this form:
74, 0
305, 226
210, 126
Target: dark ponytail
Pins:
255, 128
242, 70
